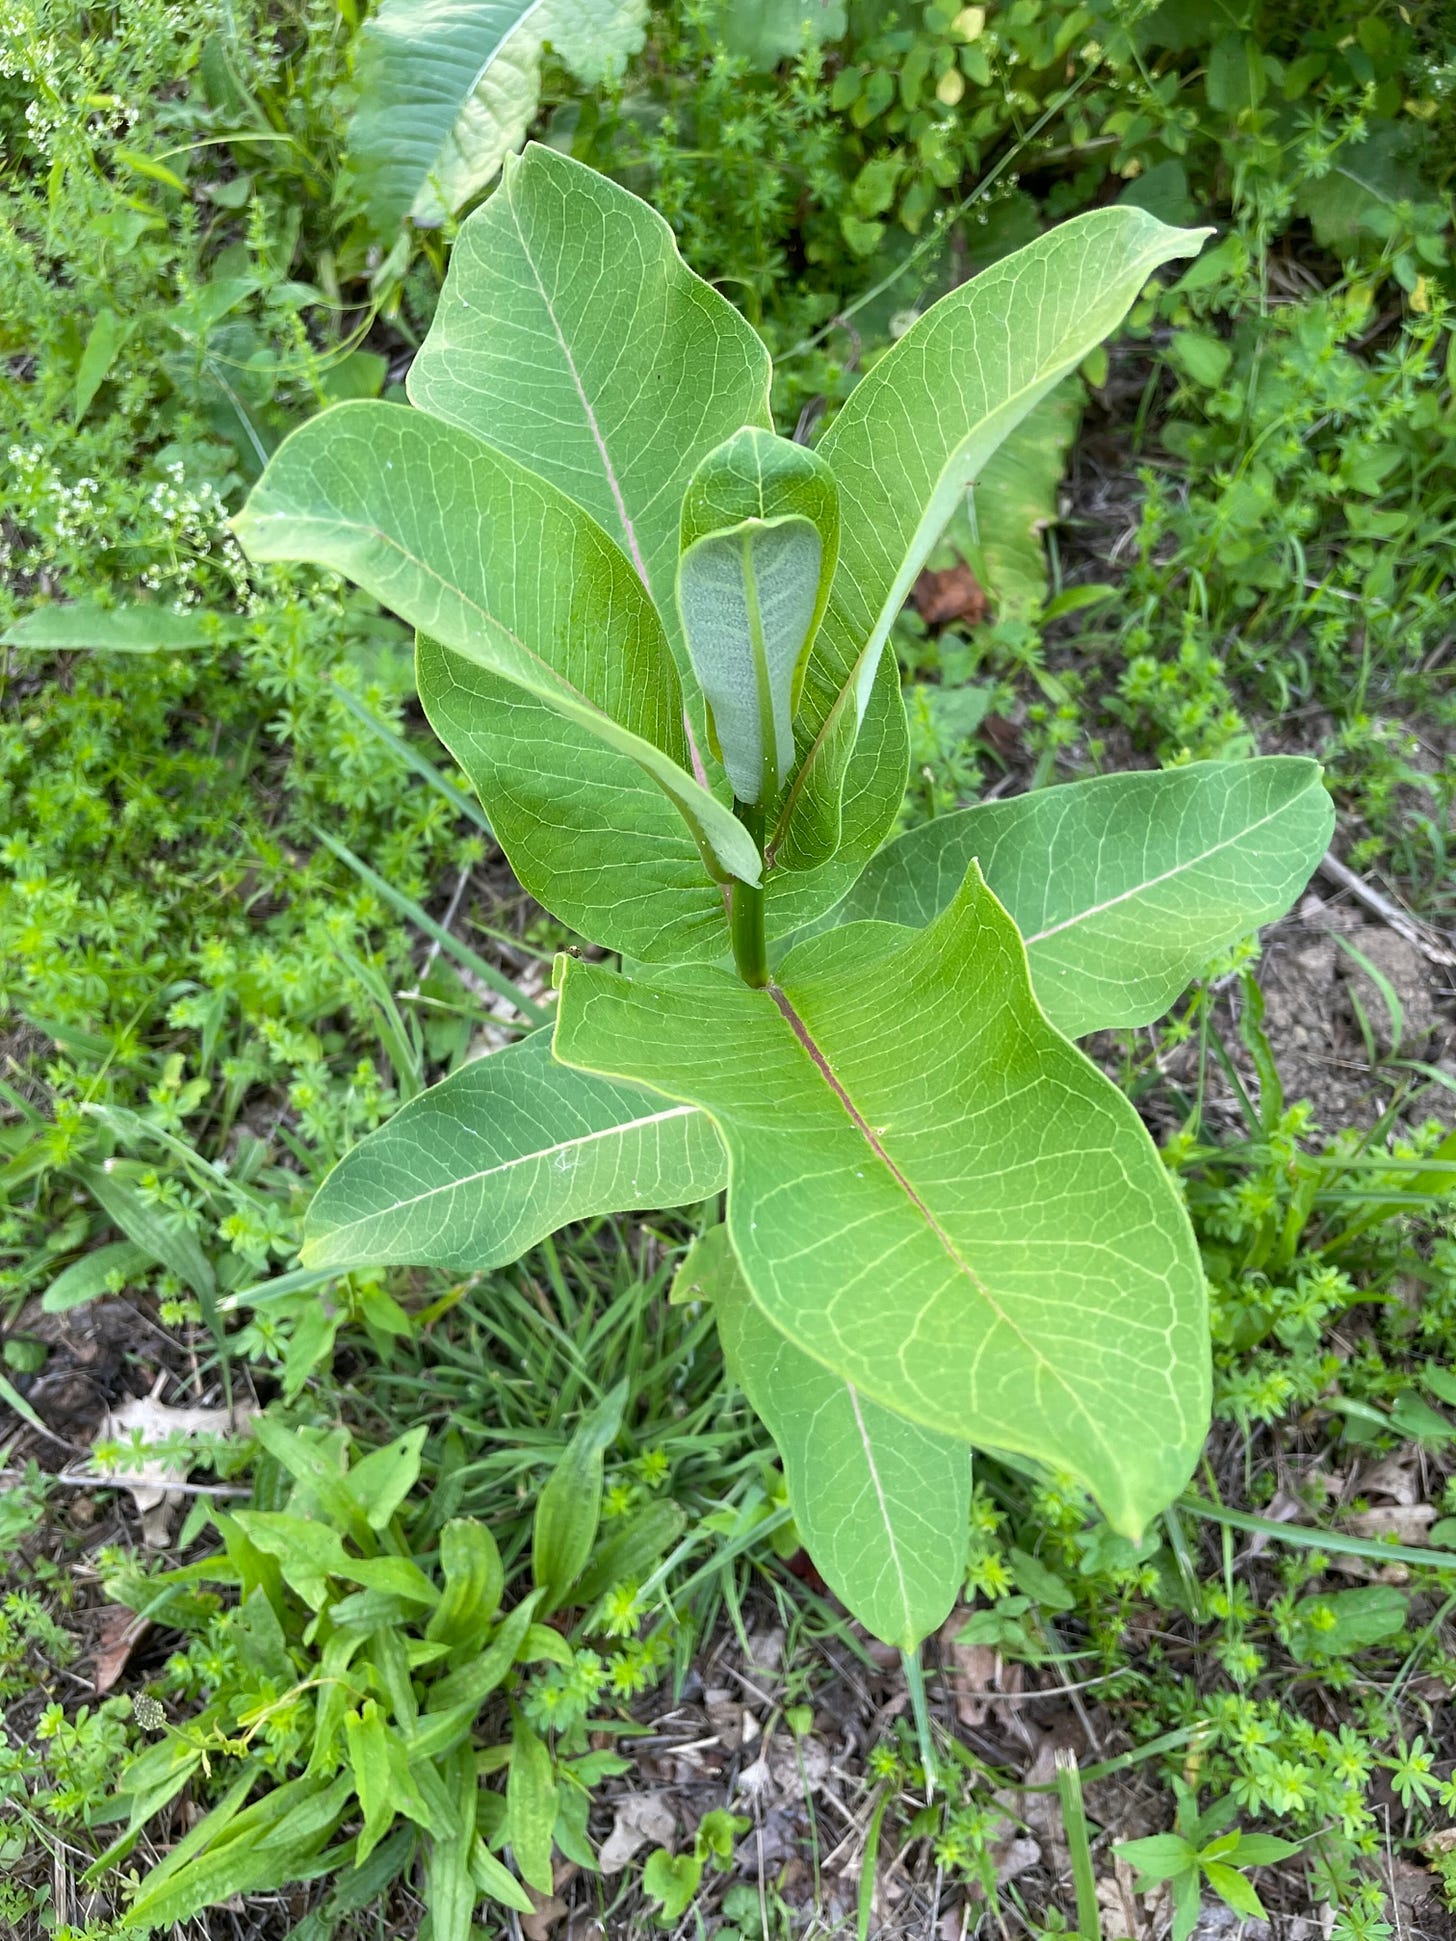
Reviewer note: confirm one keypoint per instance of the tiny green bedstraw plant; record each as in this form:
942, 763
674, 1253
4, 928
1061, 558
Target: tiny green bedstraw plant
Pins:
653, 634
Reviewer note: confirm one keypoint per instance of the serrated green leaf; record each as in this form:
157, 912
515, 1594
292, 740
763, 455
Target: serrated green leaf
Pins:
760, 536
475, 1171
508, 573
530, 1804
882, 1504
914, 434
447, 89
1124, 886
569, 1508
933, 1193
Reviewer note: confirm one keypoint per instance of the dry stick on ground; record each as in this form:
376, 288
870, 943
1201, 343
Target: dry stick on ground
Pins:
1414, 932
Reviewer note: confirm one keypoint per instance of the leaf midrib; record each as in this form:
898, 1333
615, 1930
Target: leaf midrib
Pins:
817, 1057
1152, 882
396, 1207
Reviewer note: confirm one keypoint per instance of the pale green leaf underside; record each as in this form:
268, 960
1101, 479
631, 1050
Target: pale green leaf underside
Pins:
501, 568
571, 335
447, 89
503, 1152
917, 431
883, 1505
1124, 886
934, 1194
747, 600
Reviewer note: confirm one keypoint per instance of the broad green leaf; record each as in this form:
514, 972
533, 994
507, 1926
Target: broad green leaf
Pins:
447, 89
380, 1481
470, 1564
760, 535
530, 1804
1015, 499
119, 630
882, 1504
934, 1194
571, 335
1233, 1890
502, 1152
557, 789
917, 430
1123, 887
506, 571
569, 1508
308, 1553
1160, 1857
86, 1279
496, 1881
765, 32
103, 341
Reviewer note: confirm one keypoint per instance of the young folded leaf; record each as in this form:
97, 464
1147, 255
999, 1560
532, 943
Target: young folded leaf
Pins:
760, 537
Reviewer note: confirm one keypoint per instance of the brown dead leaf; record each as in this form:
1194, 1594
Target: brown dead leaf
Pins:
117, 1635
975, 1672
642, 1819
147, 1481
1407, 1522
548, 1912
1394, 1477
954, 594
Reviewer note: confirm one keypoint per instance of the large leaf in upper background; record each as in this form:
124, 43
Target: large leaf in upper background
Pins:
572, 335
934, 1194
913, 435
1014, 501
765, 32
1124, 886
448, 88
883, 1505
501, 1153
510, 574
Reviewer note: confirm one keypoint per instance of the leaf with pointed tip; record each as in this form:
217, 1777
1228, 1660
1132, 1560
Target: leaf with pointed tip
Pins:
914, 434
933, 1193
508, 573
760, 535
473, 1172
883, 1505
1123, 887
447, 89
571, 335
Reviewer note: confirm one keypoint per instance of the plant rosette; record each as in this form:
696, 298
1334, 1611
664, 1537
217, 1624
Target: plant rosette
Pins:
653, 635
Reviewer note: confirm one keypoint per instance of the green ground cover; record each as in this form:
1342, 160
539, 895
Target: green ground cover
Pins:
247, 908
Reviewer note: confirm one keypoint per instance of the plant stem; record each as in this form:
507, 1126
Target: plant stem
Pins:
750, 950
